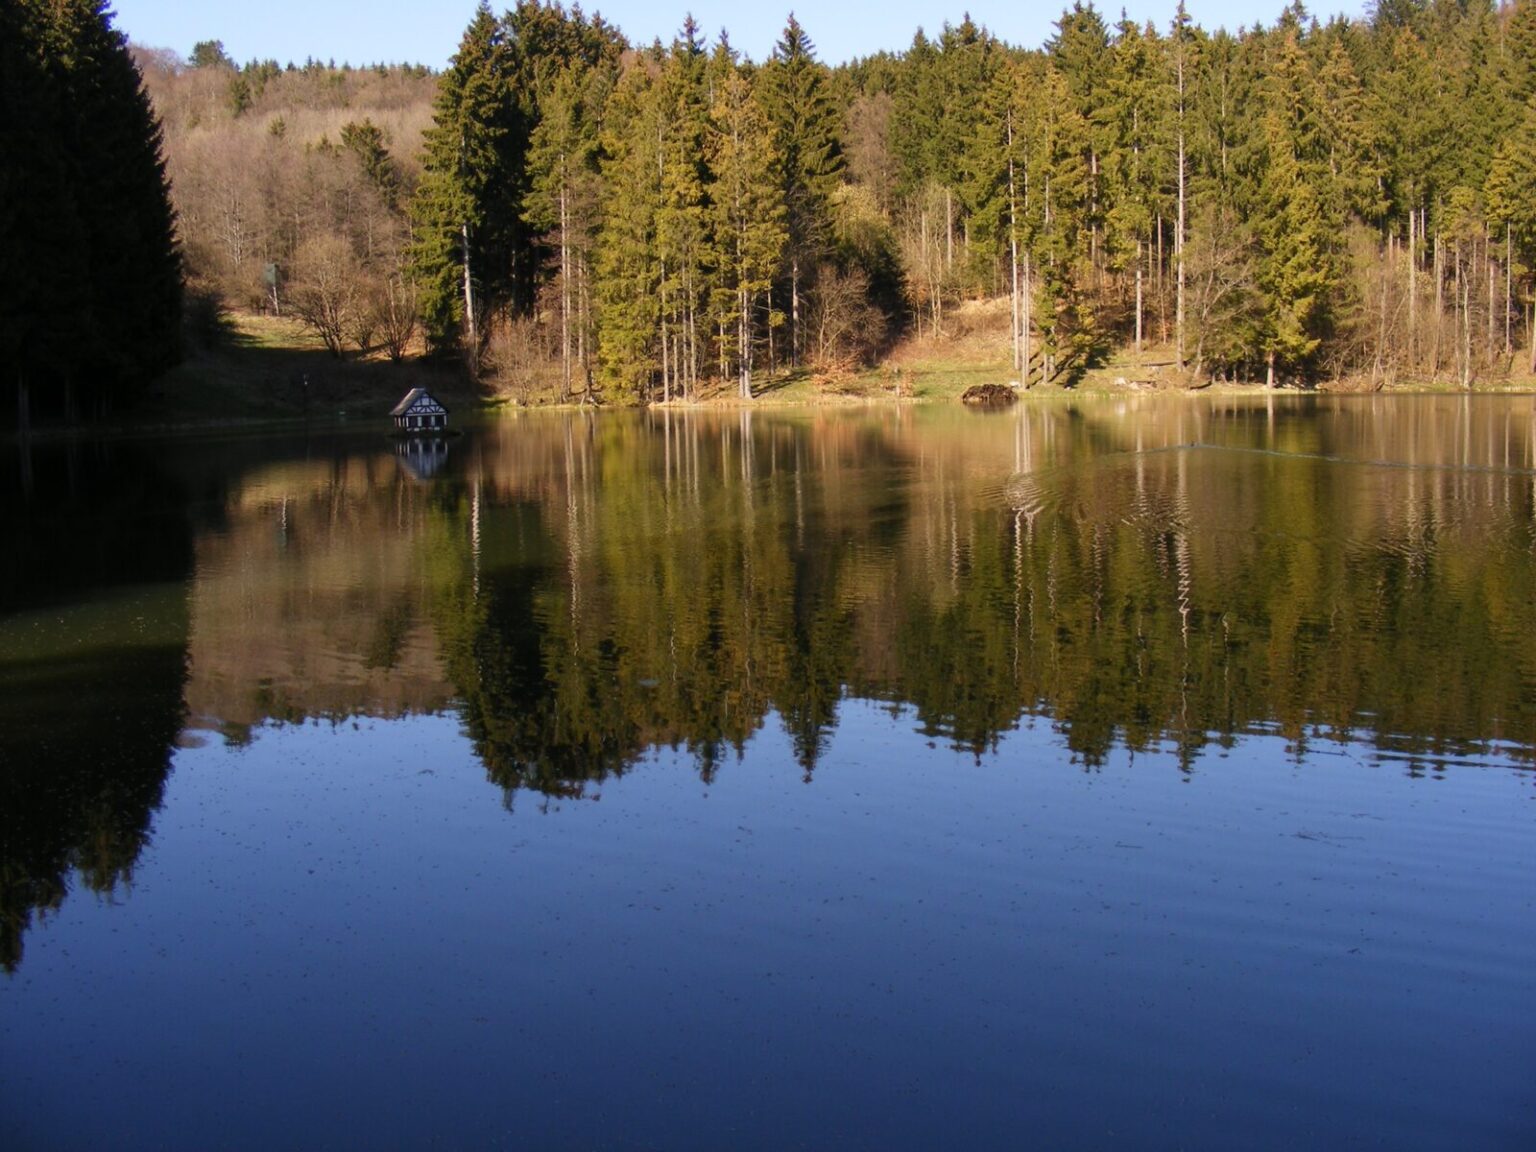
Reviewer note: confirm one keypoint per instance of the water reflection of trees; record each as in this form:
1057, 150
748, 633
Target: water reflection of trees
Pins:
583, 590
1138, 574
91, 694
693, 575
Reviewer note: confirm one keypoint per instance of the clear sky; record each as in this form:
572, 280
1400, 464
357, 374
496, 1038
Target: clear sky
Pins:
428, 31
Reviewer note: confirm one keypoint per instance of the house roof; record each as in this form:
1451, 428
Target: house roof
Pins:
411, 397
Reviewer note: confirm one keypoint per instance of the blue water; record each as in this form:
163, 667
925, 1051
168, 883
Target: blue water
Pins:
874, 780
340, 937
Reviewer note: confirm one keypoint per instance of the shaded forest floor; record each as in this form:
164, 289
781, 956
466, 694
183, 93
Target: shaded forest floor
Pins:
264, 368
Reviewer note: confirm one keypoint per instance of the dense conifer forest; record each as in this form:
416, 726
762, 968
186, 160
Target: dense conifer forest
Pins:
1298, 203
90, 276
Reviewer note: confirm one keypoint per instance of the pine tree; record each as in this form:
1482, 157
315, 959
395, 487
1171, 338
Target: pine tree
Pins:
917, 120
116, 235
476, 255
42, 251
1081, 55
1302, 221
461, 205
682, 222
564, 201
750, 228
1510, 193
1057, 216
1133, 164
628, 305
806, 131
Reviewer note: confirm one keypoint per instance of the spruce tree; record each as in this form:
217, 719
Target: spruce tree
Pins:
461, 206
564, 199
628, 272
116, 275
42, 250
750, 226
1301, 222
806, 127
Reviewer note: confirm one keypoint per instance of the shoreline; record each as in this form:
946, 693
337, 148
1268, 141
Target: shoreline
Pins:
492, 409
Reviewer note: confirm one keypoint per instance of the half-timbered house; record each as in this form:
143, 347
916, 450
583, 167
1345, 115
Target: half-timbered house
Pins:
419, 412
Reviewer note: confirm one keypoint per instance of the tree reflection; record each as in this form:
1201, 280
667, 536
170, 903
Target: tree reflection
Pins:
583, 590
91, 693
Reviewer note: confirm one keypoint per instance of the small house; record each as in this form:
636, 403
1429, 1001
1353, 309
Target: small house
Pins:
419, 412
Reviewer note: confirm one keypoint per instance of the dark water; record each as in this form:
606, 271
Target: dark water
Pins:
1118, 774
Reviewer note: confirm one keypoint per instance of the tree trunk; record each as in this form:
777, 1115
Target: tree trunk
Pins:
1138, 296
773, 362
1509, 348
666, 368
794, 312
470, 327
565, 300
1028, 294
1434, 359
1466, 327
1413, 294
949, 230
1178, 235
1013, 254
1488, 260
1381, 326
743, 337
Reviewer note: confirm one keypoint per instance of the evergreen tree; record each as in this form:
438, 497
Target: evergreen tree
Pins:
564, 200
114, 278
461, 208
1301, 223
476, 255
750, 215
628, 271
1060, 187
42, 252
682, 222
806, 128
1134, 163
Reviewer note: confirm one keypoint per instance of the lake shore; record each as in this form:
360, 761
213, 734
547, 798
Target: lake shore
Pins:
270, 373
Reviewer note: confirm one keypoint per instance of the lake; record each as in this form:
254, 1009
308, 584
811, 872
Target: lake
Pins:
1105, 773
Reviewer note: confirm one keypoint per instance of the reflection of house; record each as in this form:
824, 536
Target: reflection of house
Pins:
422, 455
419, 412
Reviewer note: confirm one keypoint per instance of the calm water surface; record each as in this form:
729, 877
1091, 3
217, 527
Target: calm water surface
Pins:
1103, 774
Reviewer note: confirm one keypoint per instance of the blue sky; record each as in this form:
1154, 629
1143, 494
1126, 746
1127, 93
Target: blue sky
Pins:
427, 31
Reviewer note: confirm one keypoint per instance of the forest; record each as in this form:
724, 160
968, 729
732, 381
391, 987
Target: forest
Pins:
572, 216
90, 272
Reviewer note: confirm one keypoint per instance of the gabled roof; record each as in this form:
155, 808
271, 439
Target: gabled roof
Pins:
411, 397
